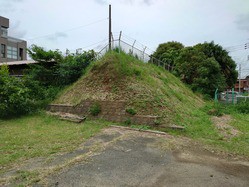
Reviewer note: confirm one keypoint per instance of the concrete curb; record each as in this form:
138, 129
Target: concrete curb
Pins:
141, 130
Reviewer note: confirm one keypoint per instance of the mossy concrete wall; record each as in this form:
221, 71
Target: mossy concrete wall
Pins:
114, 111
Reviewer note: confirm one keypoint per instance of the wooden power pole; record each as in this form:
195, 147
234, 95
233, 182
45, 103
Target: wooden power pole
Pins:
110, 27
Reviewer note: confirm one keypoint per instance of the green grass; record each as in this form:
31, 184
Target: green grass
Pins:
41, 135
200, 128
148, 89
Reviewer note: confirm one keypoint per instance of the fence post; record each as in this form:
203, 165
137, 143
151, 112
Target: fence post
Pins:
119, 45
233, 95
216, 95
112, 41
144, 52
133, 46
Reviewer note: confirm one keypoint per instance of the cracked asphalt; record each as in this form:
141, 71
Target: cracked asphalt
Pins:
121, 157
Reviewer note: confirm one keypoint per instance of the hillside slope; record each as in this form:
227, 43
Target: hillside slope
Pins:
148, 89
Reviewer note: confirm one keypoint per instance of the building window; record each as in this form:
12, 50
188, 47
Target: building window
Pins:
4, 31
12, 52
3, 49
21, 54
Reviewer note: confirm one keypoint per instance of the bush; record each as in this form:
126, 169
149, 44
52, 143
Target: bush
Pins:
15, 97
41, 82
127, 121
131, 111
95, 109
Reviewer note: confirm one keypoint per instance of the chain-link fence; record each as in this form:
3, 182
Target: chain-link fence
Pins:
139, 53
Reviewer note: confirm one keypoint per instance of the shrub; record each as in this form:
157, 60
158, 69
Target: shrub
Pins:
127, 121
14, 96
95, 109
131, 111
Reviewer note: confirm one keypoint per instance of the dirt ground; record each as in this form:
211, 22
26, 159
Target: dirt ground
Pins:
123, 157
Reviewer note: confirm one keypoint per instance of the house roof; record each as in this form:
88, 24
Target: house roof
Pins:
18, 62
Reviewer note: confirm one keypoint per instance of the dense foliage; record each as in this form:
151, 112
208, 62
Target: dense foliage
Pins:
54, 69
42, 81
168, 52
205, 67
16, 96
227, 64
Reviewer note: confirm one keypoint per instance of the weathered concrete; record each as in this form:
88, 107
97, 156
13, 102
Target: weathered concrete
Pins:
114, 111
131, 158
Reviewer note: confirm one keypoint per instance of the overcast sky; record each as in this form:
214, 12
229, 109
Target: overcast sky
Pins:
72, 24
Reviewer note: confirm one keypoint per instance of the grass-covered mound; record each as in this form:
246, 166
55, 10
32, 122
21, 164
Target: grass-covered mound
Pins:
148, 89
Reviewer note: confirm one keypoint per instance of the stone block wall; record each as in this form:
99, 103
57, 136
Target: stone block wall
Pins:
114, 111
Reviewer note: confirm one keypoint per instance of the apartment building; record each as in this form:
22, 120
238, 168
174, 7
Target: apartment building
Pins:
12, 49
242, 85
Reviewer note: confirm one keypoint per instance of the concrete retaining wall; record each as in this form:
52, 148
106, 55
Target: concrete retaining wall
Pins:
114, 111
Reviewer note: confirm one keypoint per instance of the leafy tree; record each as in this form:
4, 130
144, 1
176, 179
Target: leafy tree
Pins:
44, 71
41, 82
201, 73
73, 66
204, 67
39, 54
168, 52
54, 69
227, 64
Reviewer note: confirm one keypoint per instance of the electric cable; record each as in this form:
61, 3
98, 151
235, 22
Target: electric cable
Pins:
68, 30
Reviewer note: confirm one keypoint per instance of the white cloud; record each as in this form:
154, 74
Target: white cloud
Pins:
16, 31
7, 6
127, 2
102, 2
57, 36
243, 22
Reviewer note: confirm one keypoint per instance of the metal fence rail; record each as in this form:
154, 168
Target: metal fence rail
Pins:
231, 97
132, 49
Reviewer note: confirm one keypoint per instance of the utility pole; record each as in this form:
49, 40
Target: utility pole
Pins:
239, 76
110, 27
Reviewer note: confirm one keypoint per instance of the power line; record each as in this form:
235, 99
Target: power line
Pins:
90, 45
94, 44
238, 47
68, 30
137, 42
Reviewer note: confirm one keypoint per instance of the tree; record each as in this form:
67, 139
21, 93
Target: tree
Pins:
227, 64
168, 52
44, 71
73, 66
41, 82
201, 73
54, 69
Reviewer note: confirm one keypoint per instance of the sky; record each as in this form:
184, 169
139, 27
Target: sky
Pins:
74, 24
